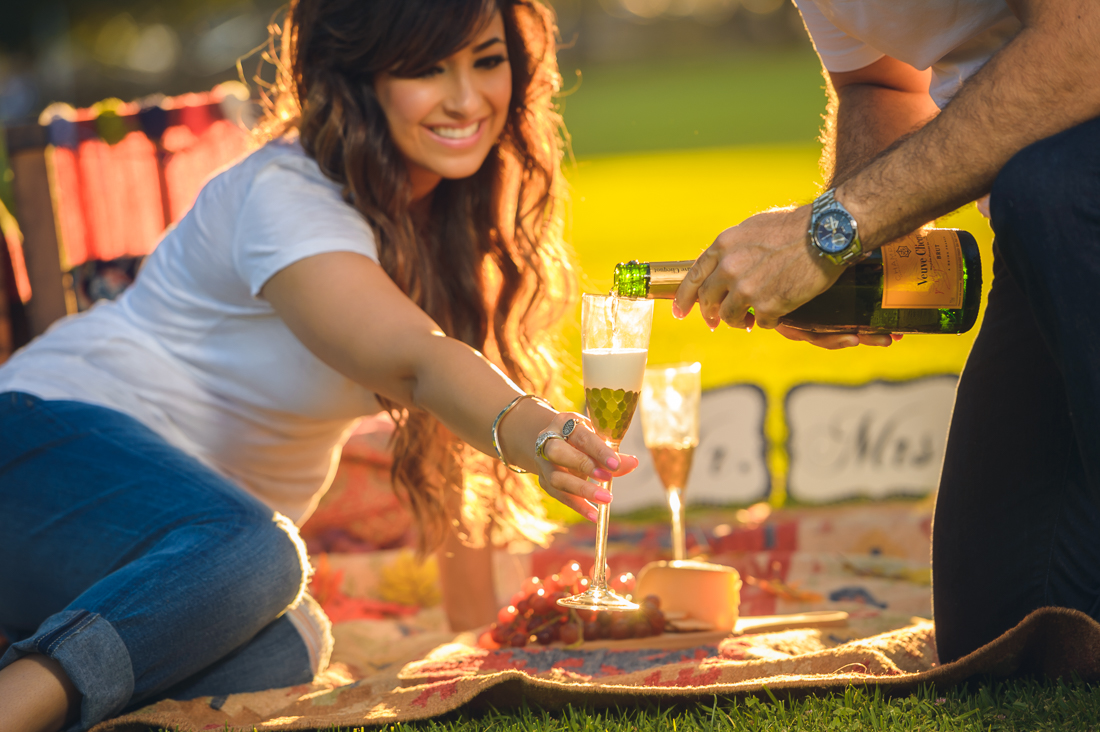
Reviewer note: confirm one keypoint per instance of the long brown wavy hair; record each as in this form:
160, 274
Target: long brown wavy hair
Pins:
489, 265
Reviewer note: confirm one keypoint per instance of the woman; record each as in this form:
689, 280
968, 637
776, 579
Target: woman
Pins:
402, 220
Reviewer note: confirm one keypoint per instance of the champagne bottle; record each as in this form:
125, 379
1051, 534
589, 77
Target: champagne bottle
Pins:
927, 282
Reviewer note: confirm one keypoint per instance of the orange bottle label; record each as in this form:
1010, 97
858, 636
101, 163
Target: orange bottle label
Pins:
923, 270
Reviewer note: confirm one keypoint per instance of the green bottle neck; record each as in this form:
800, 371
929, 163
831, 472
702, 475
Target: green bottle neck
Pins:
650, 279
631, 279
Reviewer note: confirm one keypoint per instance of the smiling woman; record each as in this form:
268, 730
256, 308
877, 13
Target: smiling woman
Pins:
445, 119
394, 245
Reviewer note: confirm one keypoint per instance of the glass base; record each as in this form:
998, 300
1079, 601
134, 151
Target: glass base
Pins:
596, 599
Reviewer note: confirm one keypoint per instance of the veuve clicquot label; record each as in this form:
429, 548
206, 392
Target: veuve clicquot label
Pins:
927, 282
924, 270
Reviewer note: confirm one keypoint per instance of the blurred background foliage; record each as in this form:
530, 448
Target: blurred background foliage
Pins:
639, 74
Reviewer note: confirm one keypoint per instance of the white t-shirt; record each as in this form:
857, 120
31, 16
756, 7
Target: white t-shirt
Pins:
195, 353
953, 37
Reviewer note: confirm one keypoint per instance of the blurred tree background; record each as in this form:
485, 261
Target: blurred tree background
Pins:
640, 74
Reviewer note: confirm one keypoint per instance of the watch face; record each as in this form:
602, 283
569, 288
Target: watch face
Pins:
834, 232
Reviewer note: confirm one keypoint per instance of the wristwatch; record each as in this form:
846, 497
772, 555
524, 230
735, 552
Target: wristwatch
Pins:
833, 230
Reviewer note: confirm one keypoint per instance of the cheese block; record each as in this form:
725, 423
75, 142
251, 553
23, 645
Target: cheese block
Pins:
708, 593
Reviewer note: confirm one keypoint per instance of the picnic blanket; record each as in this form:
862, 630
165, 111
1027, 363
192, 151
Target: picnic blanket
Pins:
1050, 641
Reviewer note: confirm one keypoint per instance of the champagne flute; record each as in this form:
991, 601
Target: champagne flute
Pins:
614, 346
670, 427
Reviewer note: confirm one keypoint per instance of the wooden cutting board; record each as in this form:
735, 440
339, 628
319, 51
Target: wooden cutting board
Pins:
755, 624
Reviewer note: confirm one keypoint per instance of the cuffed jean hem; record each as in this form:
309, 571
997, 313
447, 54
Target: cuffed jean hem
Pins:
92, 655
313, 625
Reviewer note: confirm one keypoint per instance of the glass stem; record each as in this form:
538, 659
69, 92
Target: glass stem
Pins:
603, 516
676, 507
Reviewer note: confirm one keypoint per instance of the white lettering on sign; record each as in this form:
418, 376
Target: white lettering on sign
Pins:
870, 441
730, 464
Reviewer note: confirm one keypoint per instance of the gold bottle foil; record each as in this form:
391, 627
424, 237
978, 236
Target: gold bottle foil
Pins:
665, 278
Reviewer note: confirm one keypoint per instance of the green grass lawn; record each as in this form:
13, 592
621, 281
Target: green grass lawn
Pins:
746, 98
986, 706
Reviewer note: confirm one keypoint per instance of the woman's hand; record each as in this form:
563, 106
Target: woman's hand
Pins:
567, 462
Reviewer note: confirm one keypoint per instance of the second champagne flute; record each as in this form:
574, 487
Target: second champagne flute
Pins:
670, 426
614, 345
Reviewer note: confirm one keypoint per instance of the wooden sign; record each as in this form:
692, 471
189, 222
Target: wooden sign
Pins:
730, 464
876, 440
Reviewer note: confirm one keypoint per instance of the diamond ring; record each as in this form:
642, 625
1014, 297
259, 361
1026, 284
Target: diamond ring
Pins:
541, 440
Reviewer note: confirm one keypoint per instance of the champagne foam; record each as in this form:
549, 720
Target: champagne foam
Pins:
614, 368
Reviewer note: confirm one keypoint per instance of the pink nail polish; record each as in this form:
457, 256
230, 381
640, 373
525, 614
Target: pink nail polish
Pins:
613, 463
601, 496
676, 312
601, 474
592, 516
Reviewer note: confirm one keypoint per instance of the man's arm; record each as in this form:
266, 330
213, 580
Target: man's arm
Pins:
869, 110
1042, 82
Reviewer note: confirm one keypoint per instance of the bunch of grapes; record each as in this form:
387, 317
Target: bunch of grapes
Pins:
534, 616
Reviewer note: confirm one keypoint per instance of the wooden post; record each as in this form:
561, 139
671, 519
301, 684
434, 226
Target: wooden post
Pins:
27, 156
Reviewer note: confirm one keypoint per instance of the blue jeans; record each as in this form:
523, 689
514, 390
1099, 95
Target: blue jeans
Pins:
141, 571
1017, 522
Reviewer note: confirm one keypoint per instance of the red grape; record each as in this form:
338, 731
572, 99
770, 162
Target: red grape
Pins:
507, 614
529, 585
485, 640
552, 584
540, 603
569, 634
623, 583
517, 640
620, 629
569, 573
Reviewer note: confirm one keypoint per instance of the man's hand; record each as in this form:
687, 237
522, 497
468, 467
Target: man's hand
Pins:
768, 264
765, 263
835, 341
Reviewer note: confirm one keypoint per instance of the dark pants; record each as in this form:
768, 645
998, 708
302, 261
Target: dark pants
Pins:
1017, 523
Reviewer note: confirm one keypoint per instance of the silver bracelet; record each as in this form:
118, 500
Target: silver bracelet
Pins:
496, 426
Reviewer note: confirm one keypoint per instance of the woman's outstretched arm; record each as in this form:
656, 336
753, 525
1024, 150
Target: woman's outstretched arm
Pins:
348, 312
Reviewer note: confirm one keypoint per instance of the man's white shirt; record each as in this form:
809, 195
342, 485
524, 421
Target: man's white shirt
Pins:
952, 37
